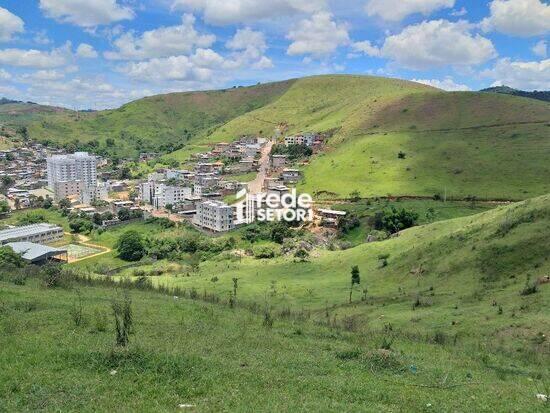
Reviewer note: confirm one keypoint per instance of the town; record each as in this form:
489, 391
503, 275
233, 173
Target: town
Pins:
203, 195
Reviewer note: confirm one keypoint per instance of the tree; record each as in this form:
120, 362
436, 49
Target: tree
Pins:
355, 279
4, 207
130, 246
47, 203
169, 208
78, 225
96, 218
394, 221
64, 203
123, 214
9, 258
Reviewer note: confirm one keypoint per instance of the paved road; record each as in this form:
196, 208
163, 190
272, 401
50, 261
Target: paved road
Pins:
255, 186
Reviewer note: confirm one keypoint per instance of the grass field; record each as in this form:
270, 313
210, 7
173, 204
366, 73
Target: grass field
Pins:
212, 358
457, 268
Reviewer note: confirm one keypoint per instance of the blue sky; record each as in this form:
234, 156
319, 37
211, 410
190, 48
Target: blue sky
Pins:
103, 53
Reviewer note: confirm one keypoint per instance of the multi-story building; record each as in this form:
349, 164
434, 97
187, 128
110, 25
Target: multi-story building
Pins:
79, 166
170, 195
303, 139
39, 233
214, 215
64, 189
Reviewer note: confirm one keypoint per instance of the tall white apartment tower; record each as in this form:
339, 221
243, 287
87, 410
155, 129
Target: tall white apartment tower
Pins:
78, 167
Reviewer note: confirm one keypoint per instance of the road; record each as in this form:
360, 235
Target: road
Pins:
255, 186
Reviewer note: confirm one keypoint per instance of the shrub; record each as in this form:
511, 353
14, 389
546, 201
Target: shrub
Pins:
122, 311
265, 251
130, 246
100, 320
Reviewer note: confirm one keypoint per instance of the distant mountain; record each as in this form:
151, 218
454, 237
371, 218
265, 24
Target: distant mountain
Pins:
543, 95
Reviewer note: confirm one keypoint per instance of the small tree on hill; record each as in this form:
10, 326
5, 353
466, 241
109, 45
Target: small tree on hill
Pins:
355, 279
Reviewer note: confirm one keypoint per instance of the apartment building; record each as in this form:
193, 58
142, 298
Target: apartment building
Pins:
214, 215
78, 167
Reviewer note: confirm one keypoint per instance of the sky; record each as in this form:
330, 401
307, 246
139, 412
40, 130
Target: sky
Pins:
96, 54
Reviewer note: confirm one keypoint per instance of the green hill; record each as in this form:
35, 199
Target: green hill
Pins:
543, 95
158, 123
443, 326
488, 145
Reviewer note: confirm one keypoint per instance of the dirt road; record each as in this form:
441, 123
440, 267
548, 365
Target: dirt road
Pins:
255, 186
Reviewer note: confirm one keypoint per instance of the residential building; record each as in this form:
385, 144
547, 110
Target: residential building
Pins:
64, 171
214, 215
278, 161
170, 195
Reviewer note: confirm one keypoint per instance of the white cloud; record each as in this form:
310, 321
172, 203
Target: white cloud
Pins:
36, 58
222, 12
4, 75
86, 13
520, 75
366, 47
43, 75
86, 51
540, 49
41, 38
397, 10
436, 43
10, 24
161, 42
518, 17
174, 68
318, 36
460, 12
446, 84
249, 48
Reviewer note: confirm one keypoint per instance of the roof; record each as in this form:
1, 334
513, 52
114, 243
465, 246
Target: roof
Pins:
30, 251
332, 212
26, 231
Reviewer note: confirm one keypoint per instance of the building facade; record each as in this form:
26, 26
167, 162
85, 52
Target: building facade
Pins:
39, 233
214, 215
78, 167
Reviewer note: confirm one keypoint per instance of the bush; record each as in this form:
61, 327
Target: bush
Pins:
394, 220
266, 251
130, 246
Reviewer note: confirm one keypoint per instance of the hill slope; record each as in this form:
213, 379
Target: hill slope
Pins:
158, 123
455, 268
540, 95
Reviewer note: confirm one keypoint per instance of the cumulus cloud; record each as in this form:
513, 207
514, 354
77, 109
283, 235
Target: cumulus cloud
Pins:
540, 49
397, 10
249, 47
10, 24
366, 47
435, 43
223, 12
318, 36
36, 58
174, 68
161, 42
518, 17
86, 13
86, 51
520, 75
446, 84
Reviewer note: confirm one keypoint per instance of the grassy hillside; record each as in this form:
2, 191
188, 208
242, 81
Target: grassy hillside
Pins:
485, 145
193, 356
156, 123
455, 268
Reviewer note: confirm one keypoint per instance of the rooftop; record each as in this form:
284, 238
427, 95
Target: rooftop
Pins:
26, 230
30, 251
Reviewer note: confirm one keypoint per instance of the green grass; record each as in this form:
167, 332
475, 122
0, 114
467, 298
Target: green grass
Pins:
217, 359
50, 215
365, 210
459, 266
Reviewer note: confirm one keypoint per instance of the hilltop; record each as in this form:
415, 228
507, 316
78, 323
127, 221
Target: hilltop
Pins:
156, 124
543, 95
458, 144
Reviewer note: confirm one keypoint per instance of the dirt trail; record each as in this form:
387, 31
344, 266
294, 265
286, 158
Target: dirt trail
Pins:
255, 186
